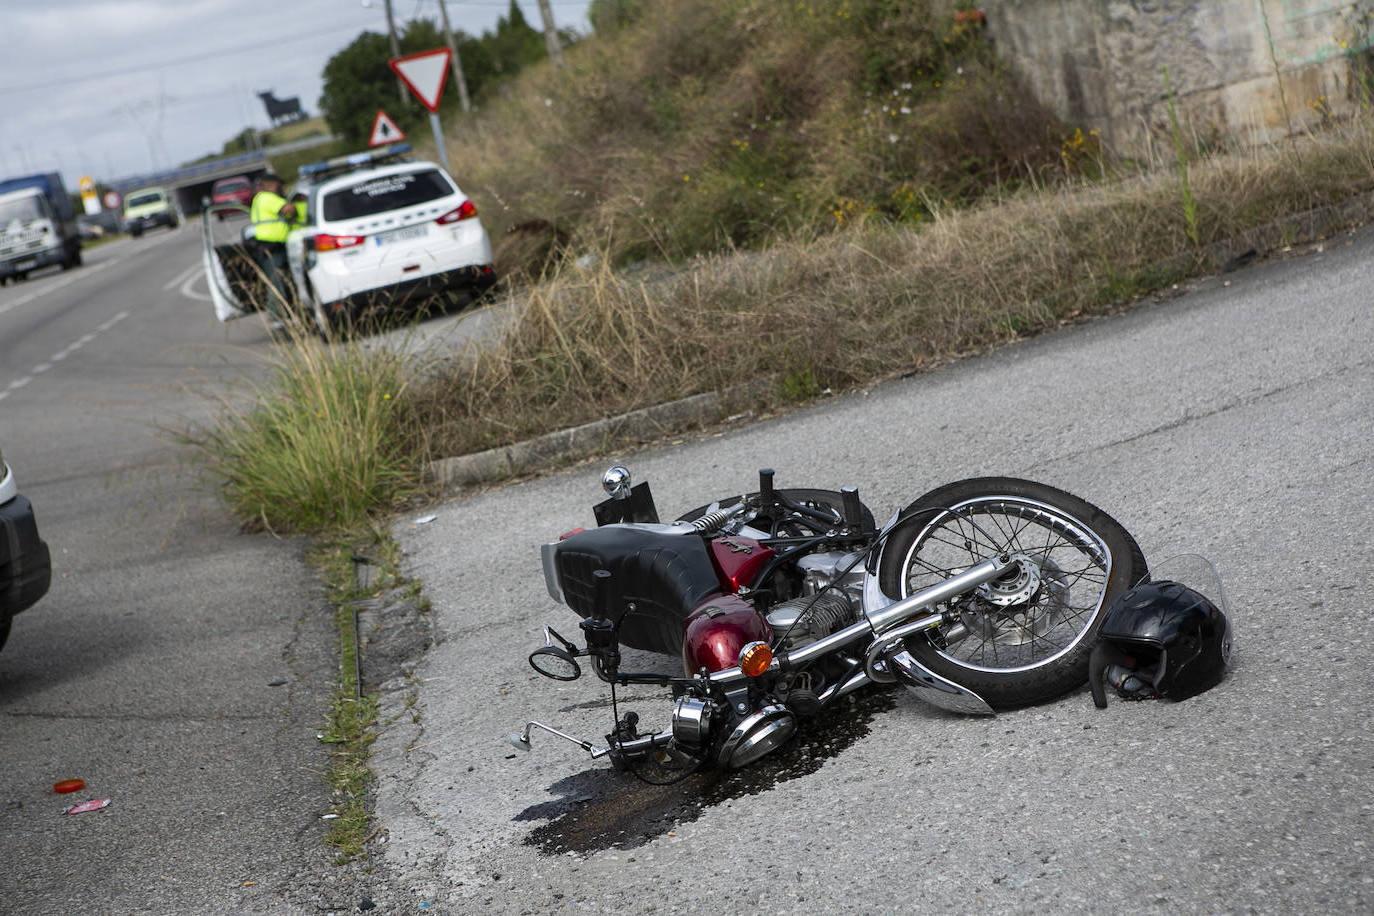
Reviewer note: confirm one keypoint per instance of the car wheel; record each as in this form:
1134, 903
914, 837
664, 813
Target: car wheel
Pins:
329, 328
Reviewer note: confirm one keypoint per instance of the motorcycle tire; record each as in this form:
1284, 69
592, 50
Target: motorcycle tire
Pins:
831, 499
1026, 638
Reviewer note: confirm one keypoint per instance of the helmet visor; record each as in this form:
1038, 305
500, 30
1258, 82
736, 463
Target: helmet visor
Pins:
1196, 572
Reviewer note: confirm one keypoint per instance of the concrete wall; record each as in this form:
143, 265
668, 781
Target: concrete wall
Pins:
1099, 64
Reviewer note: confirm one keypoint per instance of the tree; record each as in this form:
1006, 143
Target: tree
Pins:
515, 44
358, 80
357, 83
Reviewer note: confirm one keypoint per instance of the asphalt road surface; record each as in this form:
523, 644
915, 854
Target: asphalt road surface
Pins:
1234, 421
178, 667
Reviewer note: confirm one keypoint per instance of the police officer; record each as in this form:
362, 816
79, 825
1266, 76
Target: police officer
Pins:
298, 201
273, 217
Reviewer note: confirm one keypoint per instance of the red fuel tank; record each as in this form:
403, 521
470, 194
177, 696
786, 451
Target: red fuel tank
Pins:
717, 629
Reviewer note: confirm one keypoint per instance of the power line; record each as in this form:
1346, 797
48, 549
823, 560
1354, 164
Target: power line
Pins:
256, 45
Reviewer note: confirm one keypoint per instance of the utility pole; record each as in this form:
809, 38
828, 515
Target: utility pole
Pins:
395, 49
454, 61
551, 34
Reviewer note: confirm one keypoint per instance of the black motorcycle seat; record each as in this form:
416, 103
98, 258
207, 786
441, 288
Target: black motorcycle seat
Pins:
656, 579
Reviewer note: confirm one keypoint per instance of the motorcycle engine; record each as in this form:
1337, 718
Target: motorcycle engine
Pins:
799, 627
830, 609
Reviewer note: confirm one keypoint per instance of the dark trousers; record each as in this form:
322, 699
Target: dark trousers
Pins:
271, 259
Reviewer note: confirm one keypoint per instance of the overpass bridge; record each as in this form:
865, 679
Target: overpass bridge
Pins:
190, 184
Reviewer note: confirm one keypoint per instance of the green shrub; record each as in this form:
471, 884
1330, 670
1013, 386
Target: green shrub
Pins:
328, 440
698, 124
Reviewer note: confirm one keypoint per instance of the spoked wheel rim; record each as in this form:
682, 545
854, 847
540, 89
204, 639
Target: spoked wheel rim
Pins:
1045, 605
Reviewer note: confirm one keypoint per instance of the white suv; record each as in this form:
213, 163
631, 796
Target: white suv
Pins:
384, 235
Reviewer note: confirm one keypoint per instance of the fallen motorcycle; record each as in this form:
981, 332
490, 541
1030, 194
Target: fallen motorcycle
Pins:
984, 594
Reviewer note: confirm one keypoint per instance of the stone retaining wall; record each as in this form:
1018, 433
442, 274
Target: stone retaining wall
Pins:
1099, 65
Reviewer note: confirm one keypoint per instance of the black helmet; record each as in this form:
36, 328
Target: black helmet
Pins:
1160, 639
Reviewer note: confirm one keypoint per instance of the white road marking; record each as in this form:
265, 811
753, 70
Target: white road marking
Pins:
114, 321
192, 294
58, 284
64, 353
183, 276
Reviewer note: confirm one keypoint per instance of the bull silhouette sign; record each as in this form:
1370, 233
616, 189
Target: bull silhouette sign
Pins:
281, 111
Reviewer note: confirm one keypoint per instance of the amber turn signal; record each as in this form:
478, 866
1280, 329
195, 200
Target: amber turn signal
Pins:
755, 658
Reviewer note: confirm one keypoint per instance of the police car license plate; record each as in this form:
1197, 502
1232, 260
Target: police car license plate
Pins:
402, 235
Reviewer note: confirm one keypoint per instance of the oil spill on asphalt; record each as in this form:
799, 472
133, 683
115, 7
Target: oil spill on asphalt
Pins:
601, 808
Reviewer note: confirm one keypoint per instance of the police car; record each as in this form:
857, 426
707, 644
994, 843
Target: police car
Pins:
382, 233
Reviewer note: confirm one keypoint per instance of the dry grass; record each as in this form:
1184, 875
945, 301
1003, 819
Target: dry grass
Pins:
872, 299
826, 192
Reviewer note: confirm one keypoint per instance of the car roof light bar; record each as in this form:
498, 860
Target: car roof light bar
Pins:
354, 160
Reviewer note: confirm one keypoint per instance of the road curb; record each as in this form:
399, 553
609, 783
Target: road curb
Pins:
589, 438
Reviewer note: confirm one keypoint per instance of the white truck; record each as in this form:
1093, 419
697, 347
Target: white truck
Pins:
37, 226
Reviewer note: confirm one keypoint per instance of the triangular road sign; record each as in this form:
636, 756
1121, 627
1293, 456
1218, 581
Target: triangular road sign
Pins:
425, 74
384, 131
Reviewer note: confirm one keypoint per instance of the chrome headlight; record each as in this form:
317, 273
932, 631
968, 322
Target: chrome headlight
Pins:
691, 722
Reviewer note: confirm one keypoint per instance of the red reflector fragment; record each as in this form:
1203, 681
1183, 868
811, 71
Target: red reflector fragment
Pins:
69, 785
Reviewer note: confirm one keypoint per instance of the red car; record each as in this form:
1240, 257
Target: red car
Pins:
236, 190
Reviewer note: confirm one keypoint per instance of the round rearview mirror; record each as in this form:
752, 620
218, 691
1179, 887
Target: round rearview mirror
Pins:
616, 481
556, 663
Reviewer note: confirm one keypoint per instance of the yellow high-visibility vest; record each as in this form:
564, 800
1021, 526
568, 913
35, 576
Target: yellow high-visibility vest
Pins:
268, 226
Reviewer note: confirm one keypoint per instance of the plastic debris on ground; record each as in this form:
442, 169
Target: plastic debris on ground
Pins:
94, 804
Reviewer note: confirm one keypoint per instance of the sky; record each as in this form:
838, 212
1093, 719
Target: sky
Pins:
115, 88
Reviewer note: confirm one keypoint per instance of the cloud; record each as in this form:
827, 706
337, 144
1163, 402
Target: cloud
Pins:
84, 81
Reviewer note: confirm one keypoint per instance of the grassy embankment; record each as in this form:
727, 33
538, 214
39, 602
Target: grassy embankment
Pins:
839, 191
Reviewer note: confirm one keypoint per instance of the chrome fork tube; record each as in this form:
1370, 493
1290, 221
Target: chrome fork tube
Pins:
876, 623
897, 612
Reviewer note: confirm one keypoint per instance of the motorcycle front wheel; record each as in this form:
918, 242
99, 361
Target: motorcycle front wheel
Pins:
1026, 637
